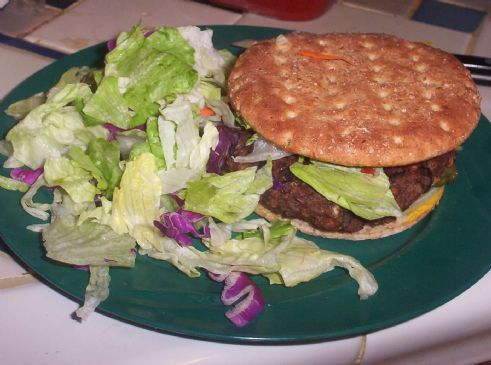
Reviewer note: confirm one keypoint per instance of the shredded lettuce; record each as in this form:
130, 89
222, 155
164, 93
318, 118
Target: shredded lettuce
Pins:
100, 214
75, 180
21, 108
38, 210
186, 153
128, 139
262, 150
154, 143
96, 291
140, 71
89, 243
105, 156
207, 60
284, 258
6, 148
108, 105
230, 197
12, 184
367, 196
51, 128
222, 112
101, 160
73, 75
137, 200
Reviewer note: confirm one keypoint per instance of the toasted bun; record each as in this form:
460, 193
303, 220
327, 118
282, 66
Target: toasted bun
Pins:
416, 212
355, 99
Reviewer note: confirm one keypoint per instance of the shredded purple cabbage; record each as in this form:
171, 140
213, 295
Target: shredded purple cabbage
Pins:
113, 130
111, 44
179, 225
98, 201
240, 290
227, 139
26, 176
277, 185
178, 199
81, 267
148, 32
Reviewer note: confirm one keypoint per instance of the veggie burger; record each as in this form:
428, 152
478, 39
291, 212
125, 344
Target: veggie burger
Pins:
368, 124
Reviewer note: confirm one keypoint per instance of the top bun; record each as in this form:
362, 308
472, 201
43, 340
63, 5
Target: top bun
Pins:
355, 99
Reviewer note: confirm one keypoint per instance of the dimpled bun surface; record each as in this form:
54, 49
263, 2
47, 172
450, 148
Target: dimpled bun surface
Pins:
355, 99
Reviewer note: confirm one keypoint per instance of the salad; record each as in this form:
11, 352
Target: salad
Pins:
133, 155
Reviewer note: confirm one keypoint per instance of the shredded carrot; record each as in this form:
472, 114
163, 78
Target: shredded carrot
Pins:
207, 112
324, 56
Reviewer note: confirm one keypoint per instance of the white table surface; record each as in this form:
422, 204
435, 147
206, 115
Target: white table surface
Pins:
35, 324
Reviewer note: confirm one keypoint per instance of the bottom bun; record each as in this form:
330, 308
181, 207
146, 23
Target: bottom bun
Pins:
417, 211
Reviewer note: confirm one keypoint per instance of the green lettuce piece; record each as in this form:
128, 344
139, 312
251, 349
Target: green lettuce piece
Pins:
183, 141
97, 75
74, 179
140, 71
100, 214
136, 202
105, 155
229, 61
139, 148
163, 67
101, 159
222, 112
276, 230
11, 184
128, 139
366, 196
6, 148
89, 243
49, 129
96, 291
154, 143
38, 210
207, 60
92, 244
230, 197
167, 134
209, 90
302, 261
171, 41
82, 160
21, 108
73, 75
125, 56
108, 105
63, 205
177, 178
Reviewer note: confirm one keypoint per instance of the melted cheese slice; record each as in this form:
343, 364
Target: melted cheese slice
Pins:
424, 204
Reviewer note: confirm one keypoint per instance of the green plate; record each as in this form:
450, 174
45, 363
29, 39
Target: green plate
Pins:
417, 270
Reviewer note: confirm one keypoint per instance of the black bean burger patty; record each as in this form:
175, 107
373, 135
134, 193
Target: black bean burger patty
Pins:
292, 198
408, 183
